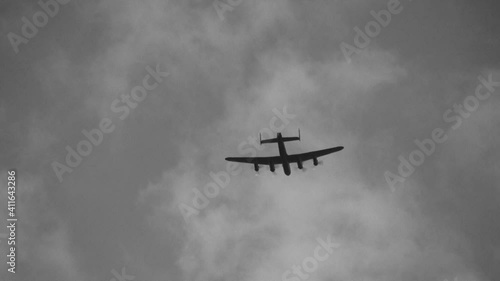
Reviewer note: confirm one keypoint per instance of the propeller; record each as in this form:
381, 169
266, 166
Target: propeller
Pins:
320, 162
295, 168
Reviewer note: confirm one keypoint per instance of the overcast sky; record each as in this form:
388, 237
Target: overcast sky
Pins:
128, 204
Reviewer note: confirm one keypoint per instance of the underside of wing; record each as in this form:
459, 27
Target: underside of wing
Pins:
256, 160
313, 154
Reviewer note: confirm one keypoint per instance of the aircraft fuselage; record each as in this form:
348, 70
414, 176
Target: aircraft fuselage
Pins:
283, 155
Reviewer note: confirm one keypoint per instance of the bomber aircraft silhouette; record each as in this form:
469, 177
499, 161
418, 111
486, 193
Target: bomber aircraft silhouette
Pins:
284, 159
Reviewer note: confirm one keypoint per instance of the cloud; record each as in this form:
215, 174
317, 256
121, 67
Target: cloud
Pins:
120, 207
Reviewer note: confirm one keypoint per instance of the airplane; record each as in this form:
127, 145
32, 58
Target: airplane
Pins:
284, 159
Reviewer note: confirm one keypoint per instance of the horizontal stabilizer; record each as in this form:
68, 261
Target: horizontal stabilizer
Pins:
290, 139
283, 139
268, 141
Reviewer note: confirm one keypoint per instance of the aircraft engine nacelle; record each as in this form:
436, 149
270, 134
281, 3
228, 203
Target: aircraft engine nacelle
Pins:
315, 161
256, 167
271, 167
299, 164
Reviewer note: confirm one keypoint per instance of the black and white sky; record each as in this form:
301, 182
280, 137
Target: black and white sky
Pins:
120, 200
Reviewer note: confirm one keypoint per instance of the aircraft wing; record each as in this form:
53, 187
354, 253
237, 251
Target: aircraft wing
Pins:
313, 154
256, 160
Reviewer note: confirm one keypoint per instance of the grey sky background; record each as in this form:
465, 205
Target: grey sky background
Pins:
120, 206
